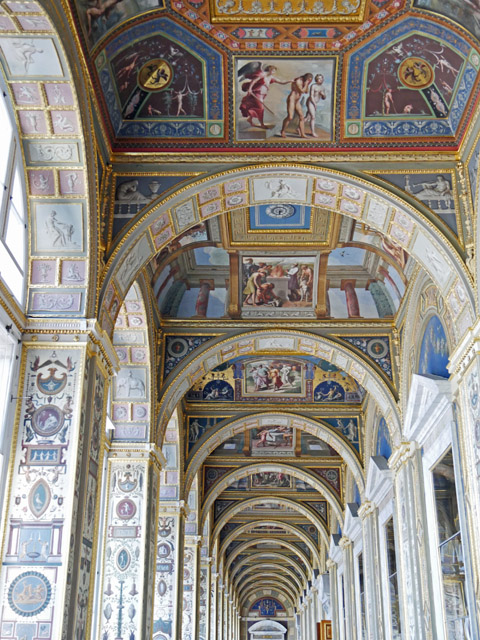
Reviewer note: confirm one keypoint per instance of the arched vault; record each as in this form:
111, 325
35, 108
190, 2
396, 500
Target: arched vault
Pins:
217, 435
299, 507
364, 200
242, 472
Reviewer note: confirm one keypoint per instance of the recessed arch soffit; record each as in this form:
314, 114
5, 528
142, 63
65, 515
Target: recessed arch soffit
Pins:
283, 343
240, 507
268, 569
365, 201
279, 585
274, 524
249, 600
245, 546
304, 475
51, 130
214, 437
278, 561
139, 114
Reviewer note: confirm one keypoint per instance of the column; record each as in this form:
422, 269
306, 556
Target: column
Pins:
204, 598
368, 513
235, 289
465, 365
322, 308
353, 307
382, 298
127, 555
334, 608
220, 635
189, 600
202, 300
413, 552
315, 615
168, 601
52, 502
213, 606
349, 588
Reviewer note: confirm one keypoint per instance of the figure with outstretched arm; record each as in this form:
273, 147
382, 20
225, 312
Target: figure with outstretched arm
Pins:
257, 82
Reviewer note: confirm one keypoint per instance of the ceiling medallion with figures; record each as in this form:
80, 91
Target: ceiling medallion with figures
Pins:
155, 75
416, 73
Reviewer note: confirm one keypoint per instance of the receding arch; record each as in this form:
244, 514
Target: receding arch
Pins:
267, 569
268, 584
278, 341
250, 600
269, 557
304, 510
282, 543
221, 433
322, 187
265, 523
242, 472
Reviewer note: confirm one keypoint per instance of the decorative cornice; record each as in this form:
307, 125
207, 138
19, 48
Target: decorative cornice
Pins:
137, 450
366, 510
402, 454
344, 542
174, 507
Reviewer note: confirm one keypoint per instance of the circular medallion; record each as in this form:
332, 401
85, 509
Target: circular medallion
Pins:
126, 509
155, 75
280, 211
29, 594
377, 349
416, 73
178, 347
47, 420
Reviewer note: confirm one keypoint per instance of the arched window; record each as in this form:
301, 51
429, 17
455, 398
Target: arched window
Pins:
13, 215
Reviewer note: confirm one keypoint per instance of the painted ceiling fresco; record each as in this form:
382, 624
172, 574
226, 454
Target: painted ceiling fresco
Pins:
224, 87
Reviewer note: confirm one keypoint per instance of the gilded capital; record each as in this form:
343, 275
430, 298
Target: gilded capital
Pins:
366, 509
402, 454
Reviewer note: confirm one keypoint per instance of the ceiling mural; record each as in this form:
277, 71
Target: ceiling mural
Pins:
259, 87
414, 79
169, 85
278, 380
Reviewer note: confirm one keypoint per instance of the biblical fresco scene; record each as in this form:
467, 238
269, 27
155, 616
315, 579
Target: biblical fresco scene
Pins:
276, 99
282, 283
280, 380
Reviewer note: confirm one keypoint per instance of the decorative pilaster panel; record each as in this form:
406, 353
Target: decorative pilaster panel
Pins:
414, 563
129, 543
371, 560
334, 609
190, 585
203, 602
167, 608
49, 536
213, 605
349, 589
469, 388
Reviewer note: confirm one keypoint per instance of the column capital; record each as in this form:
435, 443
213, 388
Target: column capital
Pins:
193, 541
331, 564
366, 509
402, 454
344, 542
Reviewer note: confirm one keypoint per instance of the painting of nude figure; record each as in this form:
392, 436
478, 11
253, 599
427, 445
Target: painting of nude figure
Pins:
276, 100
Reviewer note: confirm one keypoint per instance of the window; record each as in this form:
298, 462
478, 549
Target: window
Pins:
393, 581
450, 548
12, 207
